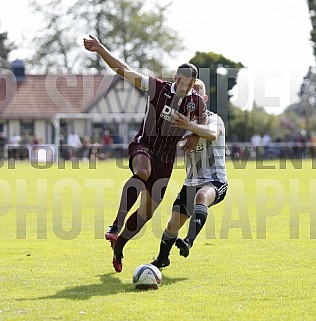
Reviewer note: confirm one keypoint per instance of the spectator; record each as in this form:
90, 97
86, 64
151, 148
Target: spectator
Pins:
86, 147
14, 149
304, 139
63, 150
95, 155
256, 141
3, 141
74, 144
266, 142
25, 142
37, 140
107, 144
236, 152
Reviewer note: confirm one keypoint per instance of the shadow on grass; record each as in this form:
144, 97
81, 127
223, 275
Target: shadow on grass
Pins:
110, 285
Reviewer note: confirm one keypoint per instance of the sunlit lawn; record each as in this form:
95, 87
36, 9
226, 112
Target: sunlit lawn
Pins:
255, 259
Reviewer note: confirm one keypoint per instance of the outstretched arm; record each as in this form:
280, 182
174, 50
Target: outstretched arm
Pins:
120, 67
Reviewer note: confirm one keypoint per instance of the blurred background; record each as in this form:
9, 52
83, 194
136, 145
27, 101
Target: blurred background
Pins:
257, 60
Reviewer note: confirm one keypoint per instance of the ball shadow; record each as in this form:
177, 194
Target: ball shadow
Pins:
110, 285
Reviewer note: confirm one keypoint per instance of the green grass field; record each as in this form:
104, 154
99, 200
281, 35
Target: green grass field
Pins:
255, 259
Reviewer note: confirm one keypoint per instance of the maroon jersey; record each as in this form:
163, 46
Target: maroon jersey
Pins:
156, 130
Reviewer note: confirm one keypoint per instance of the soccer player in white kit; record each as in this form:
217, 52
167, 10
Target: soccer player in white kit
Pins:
205, 184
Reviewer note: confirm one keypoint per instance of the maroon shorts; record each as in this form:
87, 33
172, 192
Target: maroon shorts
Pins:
160, 172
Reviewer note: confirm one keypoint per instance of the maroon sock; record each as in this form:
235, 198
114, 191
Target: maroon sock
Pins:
133, 225
130, 193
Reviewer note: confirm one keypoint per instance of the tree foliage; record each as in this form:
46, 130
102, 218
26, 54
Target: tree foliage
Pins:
303, 113
134, 32
55, 41
6, 47
220, 73
312, 14
243, 124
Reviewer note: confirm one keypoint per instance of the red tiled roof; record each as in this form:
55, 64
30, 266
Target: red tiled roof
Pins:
42, 96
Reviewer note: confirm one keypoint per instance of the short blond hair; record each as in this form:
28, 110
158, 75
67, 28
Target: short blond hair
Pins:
199, 85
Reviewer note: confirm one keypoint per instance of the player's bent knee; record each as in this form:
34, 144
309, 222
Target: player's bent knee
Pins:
205, 197
143, 174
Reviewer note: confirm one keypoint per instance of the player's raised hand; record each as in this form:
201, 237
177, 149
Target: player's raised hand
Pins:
91, 44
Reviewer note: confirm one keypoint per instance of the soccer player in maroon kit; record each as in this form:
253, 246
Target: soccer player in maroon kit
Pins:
152, 151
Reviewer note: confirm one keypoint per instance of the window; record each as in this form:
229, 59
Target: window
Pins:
27, 126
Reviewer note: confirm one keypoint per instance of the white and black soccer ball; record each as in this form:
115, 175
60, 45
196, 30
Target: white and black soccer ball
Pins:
147, 276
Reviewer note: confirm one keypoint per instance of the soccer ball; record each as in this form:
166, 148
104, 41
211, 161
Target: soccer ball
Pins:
147, 276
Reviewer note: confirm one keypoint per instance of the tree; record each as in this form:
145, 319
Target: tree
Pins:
135, 33
303, 113
5, 48
306, 108
312, 13
55, 40
220, 74
243, 124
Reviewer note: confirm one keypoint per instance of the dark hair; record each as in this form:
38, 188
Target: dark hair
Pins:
187, 70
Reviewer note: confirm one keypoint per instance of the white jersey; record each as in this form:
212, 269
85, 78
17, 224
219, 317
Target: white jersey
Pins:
207, 162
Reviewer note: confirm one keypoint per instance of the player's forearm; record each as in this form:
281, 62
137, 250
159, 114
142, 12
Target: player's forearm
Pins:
119, 66
205, 131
